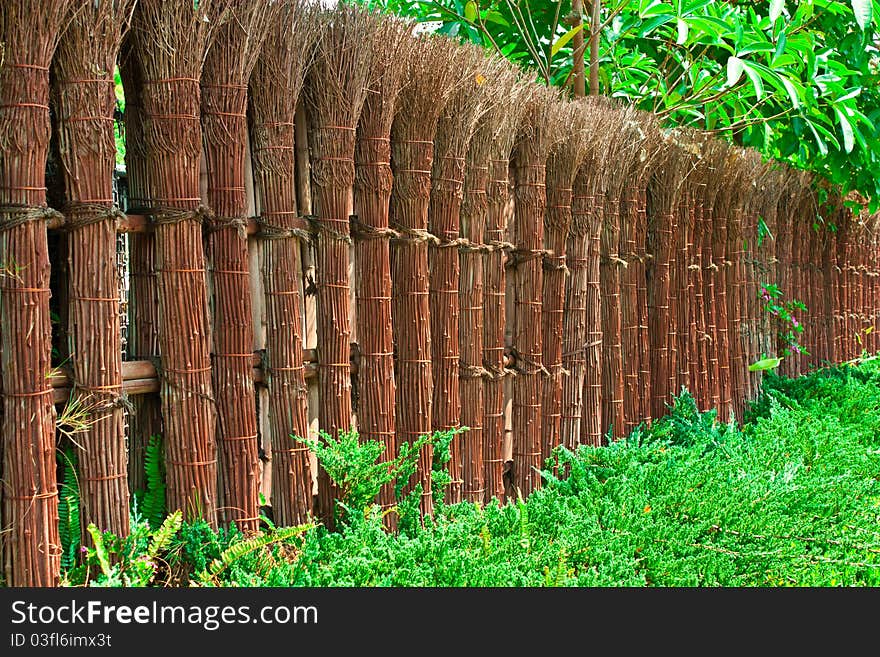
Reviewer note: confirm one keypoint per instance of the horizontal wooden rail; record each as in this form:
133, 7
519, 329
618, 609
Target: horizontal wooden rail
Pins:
138, 223
139, 377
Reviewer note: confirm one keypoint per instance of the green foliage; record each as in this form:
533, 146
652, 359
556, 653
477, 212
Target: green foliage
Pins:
68, 509
783, 311
797, 80
152, 500
132, 561
356, 469
791, 498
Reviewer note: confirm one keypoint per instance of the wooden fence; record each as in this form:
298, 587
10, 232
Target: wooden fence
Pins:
333, 223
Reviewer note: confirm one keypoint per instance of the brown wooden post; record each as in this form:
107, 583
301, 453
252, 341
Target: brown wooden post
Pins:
228, 67
172, 39
372, 195
336, 89
30, 30
530, 159
86, 102
275, 86
454, 131
563, 164
431, 83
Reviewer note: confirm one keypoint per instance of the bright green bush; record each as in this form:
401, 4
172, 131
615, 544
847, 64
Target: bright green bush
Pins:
790, 498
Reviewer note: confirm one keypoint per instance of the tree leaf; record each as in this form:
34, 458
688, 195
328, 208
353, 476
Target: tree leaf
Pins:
565, 38
470, 11
682, 32
734, 70
776, 7
764, 364
863, 12
757, 83
847, 130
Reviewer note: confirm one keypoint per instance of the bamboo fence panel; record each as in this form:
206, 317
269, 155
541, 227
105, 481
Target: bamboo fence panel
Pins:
707, 194
699, 325
563, 162
663, 193
631, 249
725, 169
172, 39
145, 419
581, 331
30, 30
275, 86
537, 135
227, 68
504, 121
623, 152
336, 90
432, 81
591, 424
370, 229
85, 101
455, 129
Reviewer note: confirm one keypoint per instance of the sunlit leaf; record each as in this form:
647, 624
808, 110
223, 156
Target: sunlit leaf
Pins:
847, 130
764, 364
863, 12
565, 38
734, 70
682, 32
776, 7
470, 11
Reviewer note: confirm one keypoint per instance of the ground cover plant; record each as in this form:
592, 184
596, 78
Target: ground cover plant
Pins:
791, 497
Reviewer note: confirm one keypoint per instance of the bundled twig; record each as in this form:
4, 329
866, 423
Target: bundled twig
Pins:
698, 336
84, 90
454, 131
145, 420
496, 135
582, 329
228, 67
537, 135
563, 163
171, 39
663, 195
736, 311
681, 278
275, 86
432, 80
372, 193
336, 90
621, 164
634, 227
30, 30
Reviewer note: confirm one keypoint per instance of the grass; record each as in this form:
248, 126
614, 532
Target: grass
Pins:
791, 498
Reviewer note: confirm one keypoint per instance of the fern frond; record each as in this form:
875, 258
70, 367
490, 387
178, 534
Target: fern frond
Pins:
235, 552
100, 550
162, 536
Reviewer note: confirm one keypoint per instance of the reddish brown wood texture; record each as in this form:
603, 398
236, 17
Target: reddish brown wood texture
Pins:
85, 102
530, 200
228, 67
432, 82
562, 167
275, 86
145, 420
376, 385
472, 374
173, 142
32, 549
494, 320
576, 337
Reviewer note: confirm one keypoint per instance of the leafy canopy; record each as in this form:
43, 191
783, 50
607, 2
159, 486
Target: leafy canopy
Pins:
797, 80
